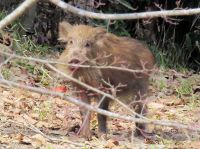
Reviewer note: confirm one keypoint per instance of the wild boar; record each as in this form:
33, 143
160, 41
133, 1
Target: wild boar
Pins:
94, 46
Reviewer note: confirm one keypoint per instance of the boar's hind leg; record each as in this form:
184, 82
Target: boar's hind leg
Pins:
140, 106
102, 119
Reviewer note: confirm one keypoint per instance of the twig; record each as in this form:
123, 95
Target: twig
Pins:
142, 15
94, 89
101, 111
6, 61
78, 82
35, 129
2, 47
16, 13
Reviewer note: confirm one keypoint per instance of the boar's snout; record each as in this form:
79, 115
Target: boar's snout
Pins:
74, 61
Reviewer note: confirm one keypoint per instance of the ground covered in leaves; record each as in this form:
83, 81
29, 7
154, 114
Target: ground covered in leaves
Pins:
31, 120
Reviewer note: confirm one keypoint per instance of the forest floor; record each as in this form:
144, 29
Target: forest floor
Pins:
32, 120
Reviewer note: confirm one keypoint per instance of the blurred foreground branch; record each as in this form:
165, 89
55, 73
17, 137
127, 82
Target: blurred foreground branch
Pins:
16, 13
74, 80
125, 16
3, 47
75, 101
98, 110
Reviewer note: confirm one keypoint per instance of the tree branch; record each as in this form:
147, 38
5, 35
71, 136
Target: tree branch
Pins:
5, 48
127, 16
94, 89
73, 80
16, 13
98, 110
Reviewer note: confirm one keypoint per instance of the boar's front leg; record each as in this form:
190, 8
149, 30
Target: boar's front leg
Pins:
140, 108
86, 116
102, 119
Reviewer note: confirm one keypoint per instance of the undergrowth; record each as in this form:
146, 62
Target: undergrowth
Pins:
21, 43
168, 53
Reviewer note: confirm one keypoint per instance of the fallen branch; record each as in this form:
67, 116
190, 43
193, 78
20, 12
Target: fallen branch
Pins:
127, 16
35, 129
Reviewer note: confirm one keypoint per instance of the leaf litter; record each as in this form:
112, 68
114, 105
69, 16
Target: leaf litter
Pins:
33, 120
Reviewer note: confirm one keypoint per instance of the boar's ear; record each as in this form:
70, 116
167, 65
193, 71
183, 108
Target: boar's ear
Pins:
99, 32
64, 28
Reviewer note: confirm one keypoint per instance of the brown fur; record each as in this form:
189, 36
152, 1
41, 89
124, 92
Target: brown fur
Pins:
94, 46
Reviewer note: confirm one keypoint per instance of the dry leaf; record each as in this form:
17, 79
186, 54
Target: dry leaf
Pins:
35, 95
42, 124
38, 140
29, 119
112, 143
154, 105
26, 140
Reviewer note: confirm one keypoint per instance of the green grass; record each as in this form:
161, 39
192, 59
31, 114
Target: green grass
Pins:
6, 73
44, 110
26, 65
23, 44
185, 88
162, 84
42, 75
2, 14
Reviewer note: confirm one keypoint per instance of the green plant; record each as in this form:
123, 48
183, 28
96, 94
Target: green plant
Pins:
160, 56
41, 73
25, 64
44, 77
85, 147
44, 110
162, 84
25, 46
49, 146
6, 73
2, 14
185, 88
193, 102
126, 4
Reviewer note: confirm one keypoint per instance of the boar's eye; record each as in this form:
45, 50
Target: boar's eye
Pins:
87, 44
70, 42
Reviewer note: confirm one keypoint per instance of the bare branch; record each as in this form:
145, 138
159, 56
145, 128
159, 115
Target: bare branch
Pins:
153, 14
127, 16
6, 61
101, 111
94, 89
76, 81
3, 47
16, 13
